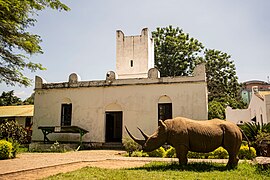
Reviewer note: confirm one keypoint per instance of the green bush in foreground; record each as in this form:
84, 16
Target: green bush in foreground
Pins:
219, 153
139, 154
160, 152
130, 145
245, 153
5, 149
170, 153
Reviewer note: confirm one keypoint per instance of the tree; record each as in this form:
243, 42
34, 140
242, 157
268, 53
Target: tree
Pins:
29, 100
16, 44
176, 54
216, 110
222, 81
9, 99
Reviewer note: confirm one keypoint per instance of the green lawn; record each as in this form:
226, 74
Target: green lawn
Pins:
160, 170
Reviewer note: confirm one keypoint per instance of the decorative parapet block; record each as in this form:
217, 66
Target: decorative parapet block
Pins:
73, 80
110, 76
38, 82
111, 80
153, 73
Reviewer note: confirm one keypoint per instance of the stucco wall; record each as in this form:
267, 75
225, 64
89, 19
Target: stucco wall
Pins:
139, 49
139, 104
238, 116
257, 108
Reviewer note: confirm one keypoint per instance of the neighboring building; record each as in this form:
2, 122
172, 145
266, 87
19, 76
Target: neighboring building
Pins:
134, 96
258, 110
246, 91
22, 114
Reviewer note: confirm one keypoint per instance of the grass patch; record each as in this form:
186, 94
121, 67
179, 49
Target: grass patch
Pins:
161, 170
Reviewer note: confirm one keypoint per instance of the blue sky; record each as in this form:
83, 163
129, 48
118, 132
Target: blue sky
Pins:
83, 39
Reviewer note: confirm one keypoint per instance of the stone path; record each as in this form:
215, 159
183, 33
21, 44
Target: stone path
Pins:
40, 165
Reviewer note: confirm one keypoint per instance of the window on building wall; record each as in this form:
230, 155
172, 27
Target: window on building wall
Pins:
66, 113
164, 111
131, 63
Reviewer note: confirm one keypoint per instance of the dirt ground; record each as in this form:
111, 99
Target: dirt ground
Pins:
41, 165
48, 171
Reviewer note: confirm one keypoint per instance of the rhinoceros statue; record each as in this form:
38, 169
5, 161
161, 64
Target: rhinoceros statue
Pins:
192, 135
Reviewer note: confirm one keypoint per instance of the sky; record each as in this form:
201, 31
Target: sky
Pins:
83, 40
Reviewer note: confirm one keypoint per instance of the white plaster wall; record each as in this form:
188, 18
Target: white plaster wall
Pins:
140, 49
267, 108
237, 115
258, 107
139, 104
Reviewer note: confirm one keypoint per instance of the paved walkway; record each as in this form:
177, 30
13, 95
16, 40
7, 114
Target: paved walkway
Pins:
39, 165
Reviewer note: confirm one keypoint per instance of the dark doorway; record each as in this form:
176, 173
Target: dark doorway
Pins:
113, 126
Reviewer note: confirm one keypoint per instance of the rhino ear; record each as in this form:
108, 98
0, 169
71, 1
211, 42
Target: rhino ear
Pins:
162, 125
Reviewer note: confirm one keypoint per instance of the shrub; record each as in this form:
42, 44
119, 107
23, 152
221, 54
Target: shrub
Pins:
220, 153
12, 130
15, 147
5, 149
170, 153
160, 152
244, 152
216, 110
130, 145
139, 154
261, 143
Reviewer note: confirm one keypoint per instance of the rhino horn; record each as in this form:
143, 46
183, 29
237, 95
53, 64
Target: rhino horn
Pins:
141, 142
144, 135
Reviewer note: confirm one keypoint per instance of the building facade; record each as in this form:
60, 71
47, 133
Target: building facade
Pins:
246, 91
258, 110
132, 96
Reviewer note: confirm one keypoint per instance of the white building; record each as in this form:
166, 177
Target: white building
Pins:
258, 110
133, 96
22, 114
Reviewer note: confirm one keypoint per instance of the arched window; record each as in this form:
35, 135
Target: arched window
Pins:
66, 112
164, 108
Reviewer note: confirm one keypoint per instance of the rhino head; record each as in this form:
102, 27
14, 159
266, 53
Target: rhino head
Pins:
154, 141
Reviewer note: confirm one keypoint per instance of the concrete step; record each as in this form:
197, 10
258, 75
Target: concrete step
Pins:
112, 145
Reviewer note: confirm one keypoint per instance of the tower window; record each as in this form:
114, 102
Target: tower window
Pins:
131, 63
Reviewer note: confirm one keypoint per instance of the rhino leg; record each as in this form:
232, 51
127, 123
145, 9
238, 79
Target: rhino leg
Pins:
181, 154
232, 143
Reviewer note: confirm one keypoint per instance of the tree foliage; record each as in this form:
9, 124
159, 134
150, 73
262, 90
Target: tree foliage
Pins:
176, 53
222, 81
10, 129
9, 99
216, 110
16, 43
29, 100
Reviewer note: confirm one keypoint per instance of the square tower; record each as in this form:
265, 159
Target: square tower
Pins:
134, 55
